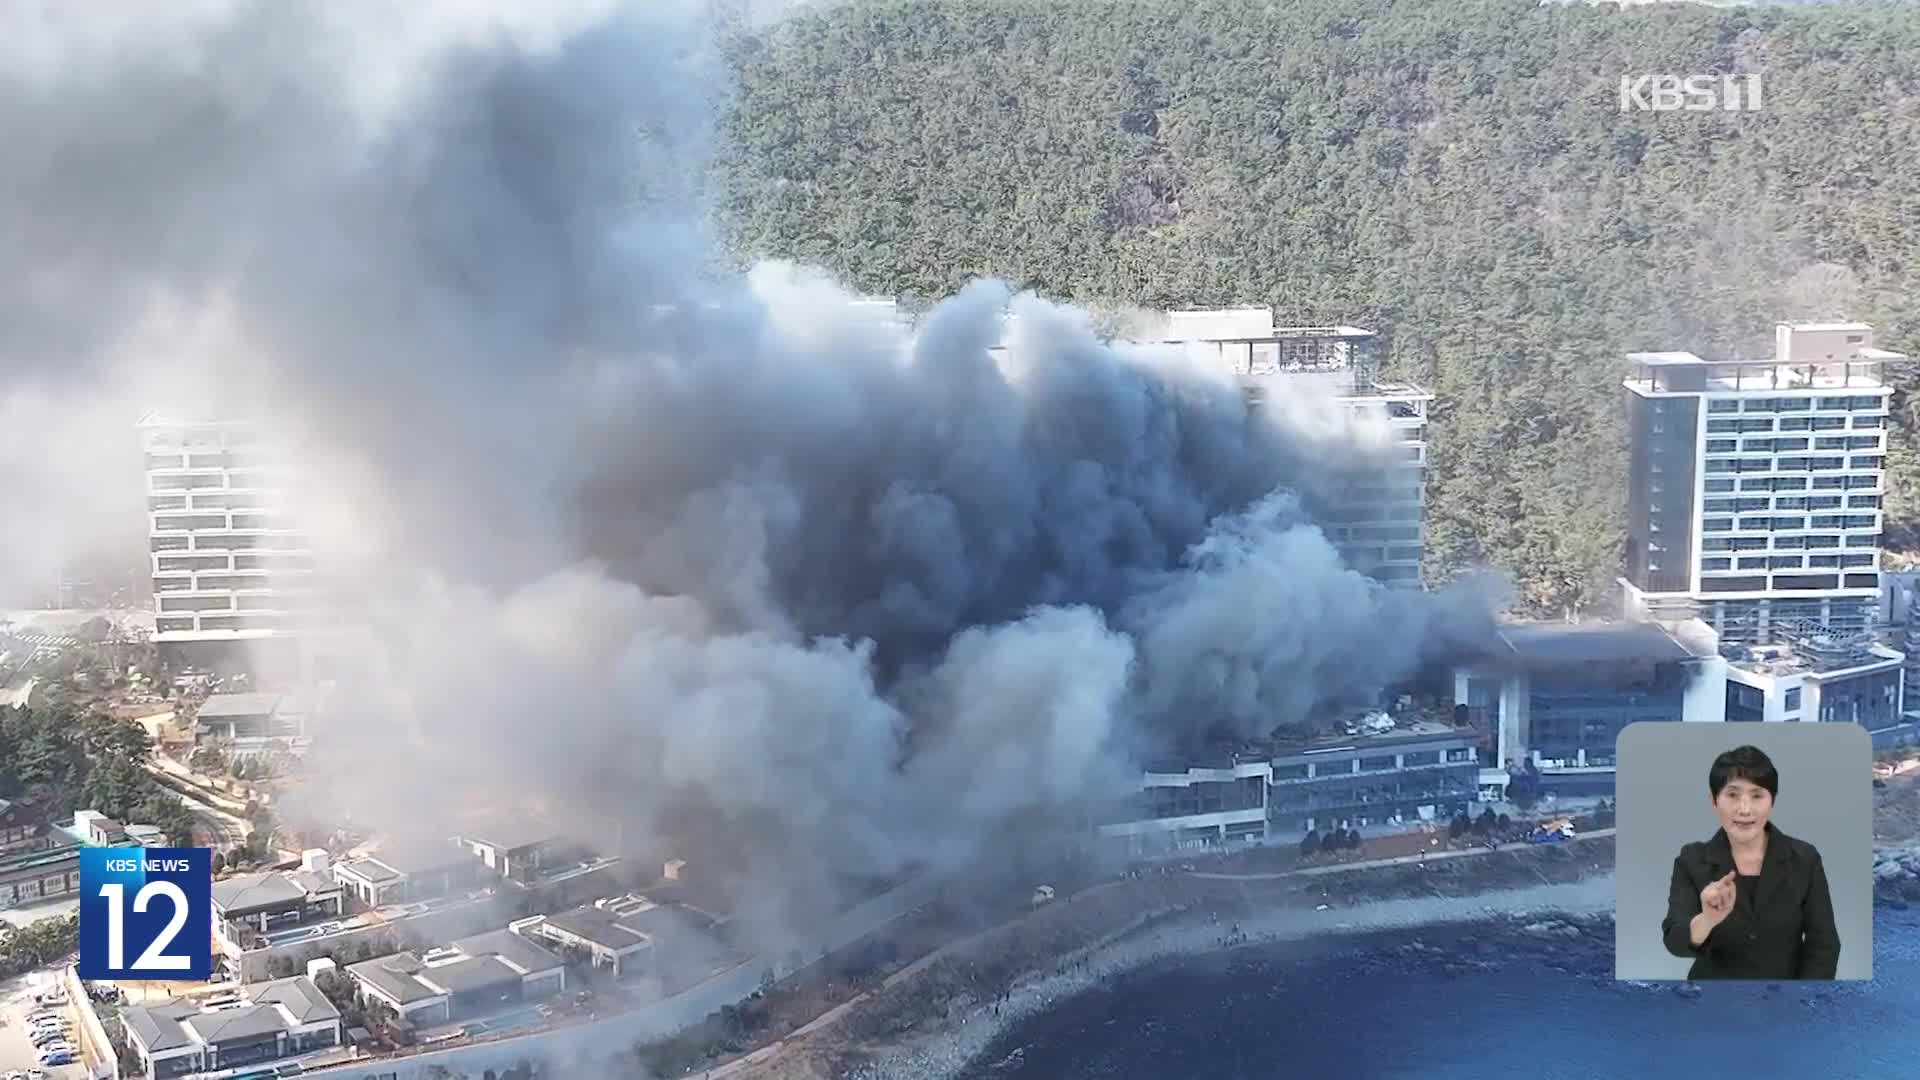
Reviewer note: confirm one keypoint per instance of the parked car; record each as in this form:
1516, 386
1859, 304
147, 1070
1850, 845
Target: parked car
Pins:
63, 1057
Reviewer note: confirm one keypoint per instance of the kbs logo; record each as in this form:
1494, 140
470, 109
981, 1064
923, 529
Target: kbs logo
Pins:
146, 913
1694, 93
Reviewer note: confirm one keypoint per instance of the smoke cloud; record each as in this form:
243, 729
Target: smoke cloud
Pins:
708, 556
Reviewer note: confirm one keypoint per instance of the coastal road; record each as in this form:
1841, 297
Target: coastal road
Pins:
1398, 860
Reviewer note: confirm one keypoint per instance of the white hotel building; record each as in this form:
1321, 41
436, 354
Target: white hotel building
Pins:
1382, 528
1755, 486
228, 565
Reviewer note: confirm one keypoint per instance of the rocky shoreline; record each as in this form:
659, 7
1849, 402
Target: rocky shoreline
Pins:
1896, 876
1546, 911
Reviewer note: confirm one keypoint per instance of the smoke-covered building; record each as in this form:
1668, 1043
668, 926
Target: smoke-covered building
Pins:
1374, 776
228, 564
1372, 779
1553, 697
1755, 486
1196, 807
1380, 529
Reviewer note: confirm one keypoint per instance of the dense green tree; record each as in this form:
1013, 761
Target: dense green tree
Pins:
1458, 176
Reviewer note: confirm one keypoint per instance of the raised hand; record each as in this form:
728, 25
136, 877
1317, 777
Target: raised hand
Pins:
1716, 900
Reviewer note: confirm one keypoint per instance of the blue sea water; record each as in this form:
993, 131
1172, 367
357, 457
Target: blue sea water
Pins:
1470, 1002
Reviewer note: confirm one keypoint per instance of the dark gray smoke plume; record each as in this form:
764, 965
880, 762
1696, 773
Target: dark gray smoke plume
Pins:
710, 557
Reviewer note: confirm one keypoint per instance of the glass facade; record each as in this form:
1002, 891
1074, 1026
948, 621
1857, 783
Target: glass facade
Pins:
1569, 715
1660, 482
1871, 700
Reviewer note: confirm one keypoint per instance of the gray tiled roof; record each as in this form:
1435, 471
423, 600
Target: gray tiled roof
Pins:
472, 973
277, 1006
393, 976
250, 892
154, 1029
300, 997
233, 1025
518, 952
600, 926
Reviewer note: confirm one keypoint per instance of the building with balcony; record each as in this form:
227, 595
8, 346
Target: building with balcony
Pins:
1373, 780
471, 976
627, 935
279, 1019
1379, 524
408, 873
1192, 808
1552, 698
513, 847
252, 910
252, 723
1755, 487
1812, 674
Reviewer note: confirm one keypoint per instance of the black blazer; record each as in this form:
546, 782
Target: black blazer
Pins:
1790, 932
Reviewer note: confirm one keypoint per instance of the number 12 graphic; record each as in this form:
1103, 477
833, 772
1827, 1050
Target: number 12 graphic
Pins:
152, 904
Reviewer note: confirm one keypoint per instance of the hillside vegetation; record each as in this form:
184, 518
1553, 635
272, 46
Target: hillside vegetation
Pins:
1455, 174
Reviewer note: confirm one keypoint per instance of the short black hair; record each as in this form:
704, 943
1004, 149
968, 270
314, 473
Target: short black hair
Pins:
1748, 763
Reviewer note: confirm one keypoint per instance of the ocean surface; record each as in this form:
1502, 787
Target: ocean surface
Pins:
1486, 1001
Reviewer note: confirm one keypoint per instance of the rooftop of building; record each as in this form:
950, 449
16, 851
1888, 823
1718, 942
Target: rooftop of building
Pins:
412, 858
242, 893
1855, 364
504, 832
1559, 643
1818, 655
600, 926
471, 963
233, 706
278, 1005
1368, 730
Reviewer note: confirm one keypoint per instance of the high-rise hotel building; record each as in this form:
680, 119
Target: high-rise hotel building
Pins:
1755, 486
1381, 527
228, 564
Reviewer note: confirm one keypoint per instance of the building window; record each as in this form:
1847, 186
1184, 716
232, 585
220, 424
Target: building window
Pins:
1792, 704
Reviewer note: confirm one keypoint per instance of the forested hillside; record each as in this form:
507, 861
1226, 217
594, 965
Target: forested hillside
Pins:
1455, 173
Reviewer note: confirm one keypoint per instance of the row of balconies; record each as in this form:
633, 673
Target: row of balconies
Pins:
1722, 466
1792, 522
1797, 404
1724, 485
1751, 563
223, 521
1795, 543
1797, 444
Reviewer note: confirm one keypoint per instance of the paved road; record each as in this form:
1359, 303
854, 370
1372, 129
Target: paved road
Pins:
229, 830
1397, 860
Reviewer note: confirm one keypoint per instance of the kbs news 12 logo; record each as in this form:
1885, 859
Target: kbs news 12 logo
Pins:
146, 913
1692, 93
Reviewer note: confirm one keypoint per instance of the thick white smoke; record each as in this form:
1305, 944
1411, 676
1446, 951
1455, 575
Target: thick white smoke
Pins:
701, 554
